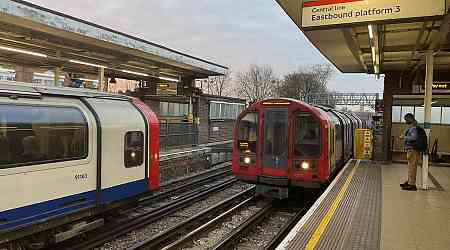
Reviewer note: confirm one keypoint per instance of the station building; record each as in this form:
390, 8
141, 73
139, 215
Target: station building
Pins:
48, 48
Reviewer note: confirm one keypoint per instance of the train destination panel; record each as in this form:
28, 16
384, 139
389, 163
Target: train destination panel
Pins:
331, 12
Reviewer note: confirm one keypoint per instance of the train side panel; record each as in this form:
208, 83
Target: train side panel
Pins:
48, 162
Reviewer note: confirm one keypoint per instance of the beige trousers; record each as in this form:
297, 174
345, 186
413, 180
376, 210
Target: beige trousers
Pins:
413, 158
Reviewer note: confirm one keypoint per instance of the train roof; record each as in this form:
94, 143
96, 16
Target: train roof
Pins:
18, 89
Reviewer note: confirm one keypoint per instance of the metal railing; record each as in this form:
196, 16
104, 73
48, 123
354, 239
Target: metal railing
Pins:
177, 135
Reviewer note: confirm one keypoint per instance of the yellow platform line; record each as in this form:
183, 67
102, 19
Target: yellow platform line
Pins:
326, 219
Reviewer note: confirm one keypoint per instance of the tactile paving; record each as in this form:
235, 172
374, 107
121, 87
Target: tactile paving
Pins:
356, 223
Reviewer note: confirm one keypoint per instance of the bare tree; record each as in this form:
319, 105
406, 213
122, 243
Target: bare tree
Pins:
306, 83
217, 85
257, 83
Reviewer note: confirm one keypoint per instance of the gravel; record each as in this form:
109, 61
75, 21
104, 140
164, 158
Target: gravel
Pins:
260, 236
213, 236
167, 222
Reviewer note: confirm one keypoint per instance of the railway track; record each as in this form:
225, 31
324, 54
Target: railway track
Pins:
198, 222
122, 227
172, 196
254, 223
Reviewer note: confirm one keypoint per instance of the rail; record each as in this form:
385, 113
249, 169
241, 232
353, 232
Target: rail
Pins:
150, 216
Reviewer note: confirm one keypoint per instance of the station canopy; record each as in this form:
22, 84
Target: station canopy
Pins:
375, 36
37, 37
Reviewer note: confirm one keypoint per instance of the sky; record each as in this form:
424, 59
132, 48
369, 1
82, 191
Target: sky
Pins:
235, 33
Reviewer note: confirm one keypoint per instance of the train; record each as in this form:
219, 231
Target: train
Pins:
286, 144
67, 154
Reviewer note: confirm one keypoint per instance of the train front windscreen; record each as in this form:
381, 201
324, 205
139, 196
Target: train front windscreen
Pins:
248, 139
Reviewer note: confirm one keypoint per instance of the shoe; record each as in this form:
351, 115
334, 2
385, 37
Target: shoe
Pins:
410, 188
405, 184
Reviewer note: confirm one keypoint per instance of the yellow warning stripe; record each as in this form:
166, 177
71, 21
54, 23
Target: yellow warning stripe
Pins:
326, 219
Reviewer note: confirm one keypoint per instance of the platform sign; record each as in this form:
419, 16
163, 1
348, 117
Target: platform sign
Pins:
318, 13
363, 144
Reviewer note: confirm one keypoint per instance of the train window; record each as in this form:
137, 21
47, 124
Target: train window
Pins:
306, 135
31, 135
134, 149
248, 133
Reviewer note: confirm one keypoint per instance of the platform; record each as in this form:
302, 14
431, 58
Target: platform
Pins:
364, 208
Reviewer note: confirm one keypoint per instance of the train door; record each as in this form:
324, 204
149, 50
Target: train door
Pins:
275, 154
122, 164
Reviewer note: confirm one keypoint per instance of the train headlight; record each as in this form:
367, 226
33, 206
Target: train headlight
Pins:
247, 160
305, 165
133, 154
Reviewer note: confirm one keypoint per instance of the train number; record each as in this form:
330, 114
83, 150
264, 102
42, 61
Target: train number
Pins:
81, 176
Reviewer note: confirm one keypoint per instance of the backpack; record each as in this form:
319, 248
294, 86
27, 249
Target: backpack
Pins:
421, 144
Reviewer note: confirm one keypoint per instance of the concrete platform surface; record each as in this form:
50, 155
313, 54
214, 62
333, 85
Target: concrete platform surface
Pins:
365, 208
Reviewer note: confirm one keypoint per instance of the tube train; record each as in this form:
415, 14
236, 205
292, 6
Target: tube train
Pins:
67, 154
280, 144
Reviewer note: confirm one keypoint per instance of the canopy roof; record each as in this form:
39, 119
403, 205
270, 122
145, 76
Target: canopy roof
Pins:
66, 41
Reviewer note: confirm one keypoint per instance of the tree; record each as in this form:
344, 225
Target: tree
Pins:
217, 85
306, 83
257, 83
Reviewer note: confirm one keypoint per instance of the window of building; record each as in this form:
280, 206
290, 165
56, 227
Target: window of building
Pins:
406, 110
31, 135
173, 109
419, 114
221, 110
396, 113
445, 115
47, 79
134, 149
436, 115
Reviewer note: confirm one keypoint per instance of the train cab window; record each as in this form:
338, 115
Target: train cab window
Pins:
248, 133
31, 135
134, 149
306, 135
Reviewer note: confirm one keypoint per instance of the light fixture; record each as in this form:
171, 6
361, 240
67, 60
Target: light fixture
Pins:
168, 79
88, 80
247, 160
305, 165
374, 59
433, 102
7, 70
135, 73
88, 64
23, 51
48, 75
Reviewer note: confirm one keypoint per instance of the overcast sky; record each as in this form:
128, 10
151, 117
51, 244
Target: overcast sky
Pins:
235, 33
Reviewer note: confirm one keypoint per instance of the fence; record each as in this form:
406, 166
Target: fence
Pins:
177, 135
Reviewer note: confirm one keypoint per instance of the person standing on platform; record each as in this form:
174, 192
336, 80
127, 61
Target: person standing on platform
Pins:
413, 154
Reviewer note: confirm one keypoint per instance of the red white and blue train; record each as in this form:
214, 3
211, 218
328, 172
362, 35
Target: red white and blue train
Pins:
280, 144
66, 151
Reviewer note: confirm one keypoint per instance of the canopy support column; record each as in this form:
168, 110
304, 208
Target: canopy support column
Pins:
101, 78
427, 103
